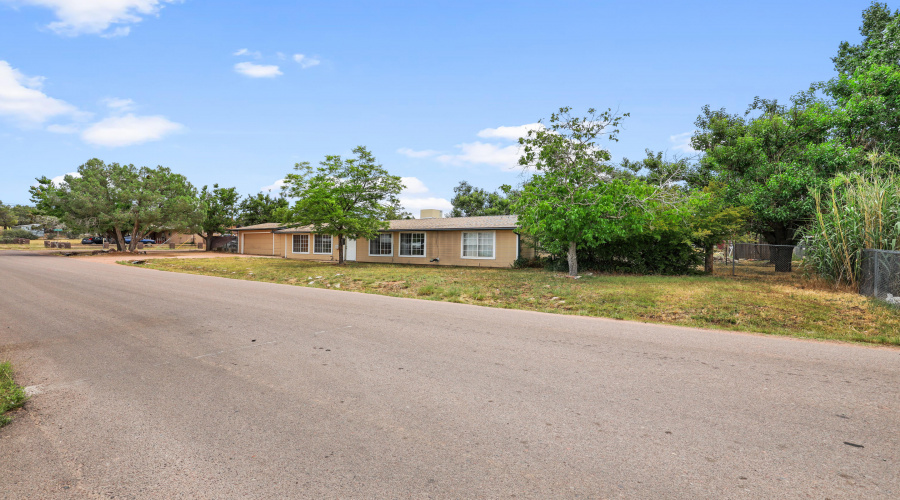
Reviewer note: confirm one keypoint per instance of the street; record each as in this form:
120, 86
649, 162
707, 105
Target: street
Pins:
160, 385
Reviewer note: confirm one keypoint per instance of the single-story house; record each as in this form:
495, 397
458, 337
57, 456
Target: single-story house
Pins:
489, 241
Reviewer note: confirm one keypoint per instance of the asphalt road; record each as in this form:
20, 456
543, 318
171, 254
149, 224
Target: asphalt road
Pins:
159, 385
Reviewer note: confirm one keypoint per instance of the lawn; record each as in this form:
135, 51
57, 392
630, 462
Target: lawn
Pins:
11, 395
756, 300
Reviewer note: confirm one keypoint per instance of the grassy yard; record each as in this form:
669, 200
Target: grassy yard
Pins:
757, 300
11, 395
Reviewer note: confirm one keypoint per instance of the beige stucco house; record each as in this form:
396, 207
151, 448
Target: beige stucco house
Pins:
490, 241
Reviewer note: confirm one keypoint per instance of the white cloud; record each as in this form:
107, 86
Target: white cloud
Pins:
60, 179
276, 187
505, 157
682, 142
22, 100
118, 104
413, 185
306, 61
257, 70
418, 154
511, 133
77, 17
117, 131
247, 52
415, 205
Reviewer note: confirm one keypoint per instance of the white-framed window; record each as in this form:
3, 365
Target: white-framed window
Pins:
322, 244
479, 245
412, 244
382, 245
301, 243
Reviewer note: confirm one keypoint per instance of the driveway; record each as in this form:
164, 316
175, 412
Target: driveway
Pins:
150, 384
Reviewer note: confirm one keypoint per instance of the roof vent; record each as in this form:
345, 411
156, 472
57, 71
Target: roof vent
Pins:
430, 213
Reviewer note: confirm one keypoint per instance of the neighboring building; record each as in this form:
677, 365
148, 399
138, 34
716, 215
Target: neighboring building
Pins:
34, 229
489, 241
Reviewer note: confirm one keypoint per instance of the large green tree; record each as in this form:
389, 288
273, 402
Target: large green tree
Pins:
769, 158
7, 216
260, 208
575, 197
471, 201
219, 208
117, 200
348, 198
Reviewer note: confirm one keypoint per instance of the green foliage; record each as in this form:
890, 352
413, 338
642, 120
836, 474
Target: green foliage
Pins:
349, 198
7, 216
11, 394
219, 208
769, 161
576, 199
713, 220
881, 32
667, 252
260, 208
853, 213
122, 199
9, 234
470, 201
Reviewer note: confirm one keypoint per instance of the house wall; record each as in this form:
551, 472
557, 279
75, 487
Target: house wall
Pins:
287, 243
447, 247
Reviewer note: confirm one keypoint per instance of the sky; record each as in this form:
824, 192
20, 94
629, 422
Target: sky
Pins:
236, 93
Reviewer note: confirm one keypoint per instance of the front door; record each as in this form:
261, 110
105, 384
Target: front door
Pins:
350, 250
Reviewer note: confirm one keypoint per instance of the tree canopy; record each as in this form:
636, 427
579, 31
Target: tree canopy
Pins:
260, 208
471, 201
219, 207
348, 198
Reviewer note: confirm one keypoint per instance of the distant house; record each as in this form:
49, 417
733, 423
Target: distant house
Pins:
490, 241
34, 229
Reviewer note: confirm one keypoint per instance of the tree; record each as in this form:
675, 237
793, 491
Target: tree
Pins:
880, 45
770, 161
24, 214
260, 208
219, 207
349, 198
118, 199
575, 197
713, 220
470, 201
7, 217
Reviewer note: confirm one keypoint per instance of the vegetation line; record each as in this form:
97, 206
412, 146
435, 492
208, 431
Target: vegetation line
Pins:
12, 396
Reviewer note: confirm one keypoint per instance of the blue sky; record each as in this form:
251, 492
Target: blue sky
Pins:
236, 93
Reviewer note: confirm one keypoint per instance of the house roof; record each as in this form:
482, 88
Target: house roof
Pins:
265, 225
442, 224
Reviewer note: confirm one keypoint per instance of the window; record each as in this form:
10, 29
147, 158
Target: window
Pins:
478, 245
301, 243
322, 244
412, 244
382, 244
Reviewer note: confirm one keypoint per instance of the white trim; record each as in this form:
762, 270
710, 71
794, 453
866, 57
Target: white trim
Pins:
308, 246
462, 245
314, 245
424, 244
369, 247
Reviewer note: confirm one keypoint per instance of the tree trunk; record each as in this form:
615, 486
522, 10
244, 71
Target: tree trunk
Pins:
208, 239
120, 240
573, 260
782, 257
708, 262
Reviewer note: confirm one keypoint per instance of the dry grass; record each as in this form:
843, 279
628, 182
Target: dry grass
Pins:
757, 300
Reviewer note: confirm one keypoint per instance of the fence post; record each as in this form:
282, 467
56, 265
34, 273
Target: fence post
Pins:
733, 255
875, 284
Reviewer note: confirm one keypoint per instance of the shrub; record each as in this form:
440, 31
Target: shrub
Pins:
668, 253
17, 233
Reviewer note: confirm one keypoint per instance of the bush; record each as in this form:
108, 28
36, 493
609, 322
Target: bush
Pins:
525, 262
668, 253
17, 233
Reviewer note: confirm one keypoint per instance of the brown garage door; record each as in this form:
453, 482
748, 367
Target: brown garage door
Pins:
258, 243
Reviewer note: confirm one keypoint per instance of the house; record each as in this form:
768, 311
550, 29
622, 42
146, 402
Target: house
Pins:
35, 229
490, 241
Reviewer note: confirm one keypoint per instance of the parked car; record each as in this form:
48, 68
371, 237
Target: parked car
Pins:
87, 241
95, 240
146, 241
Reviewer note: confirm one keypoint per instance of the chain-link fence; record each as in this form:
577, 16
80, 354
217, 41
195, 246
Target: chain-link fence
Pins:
760, 258
879, 275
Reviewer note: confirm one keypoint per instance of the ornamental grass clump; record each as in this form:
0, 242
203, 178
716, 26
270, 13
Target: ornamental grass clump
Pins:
856, 213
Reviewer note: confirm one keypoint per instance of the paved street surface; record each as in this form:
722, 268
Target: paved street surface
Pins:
160, 385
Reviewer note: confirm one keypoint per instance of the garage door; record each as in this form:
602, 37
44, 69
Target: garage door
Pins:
258, 243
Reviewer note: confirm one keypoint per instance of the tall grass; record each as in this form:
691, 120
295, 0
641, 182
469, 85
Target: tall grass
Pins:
855, 213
